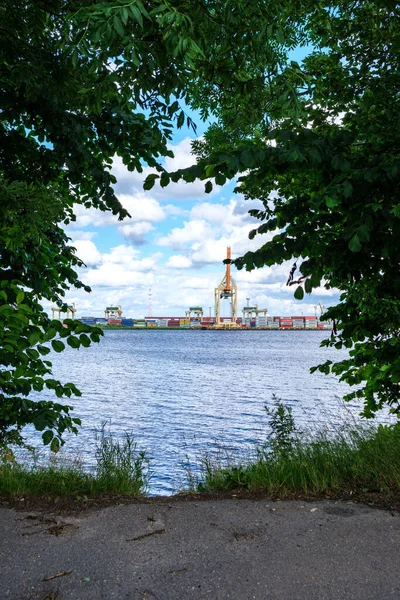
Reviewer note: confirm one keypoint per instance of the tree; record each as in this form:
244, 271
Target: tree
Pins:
81, 82
328, 144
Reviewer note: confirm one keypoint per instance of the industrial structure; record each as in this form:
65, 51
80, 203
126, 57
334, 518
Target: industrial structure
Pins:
113, 312
227, 289
253, 317
197, 312
71, 310
250, 312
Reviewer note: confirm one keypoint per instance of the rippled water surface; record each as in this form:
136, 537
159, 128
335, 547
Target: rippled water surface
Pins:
188, 391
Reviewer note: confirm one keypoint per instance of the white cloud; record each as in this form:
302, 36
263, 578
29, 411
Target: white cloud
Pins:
191, 231
127, 257
122, 254
78, 234
219, 214
131, 183
87, 251
122, 267
178, 261
141, 207
135, 233
117, 276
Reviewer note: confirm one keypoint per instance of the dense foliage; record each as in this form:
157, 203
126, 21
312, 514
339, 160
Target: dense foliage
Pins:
328, 146
81, 82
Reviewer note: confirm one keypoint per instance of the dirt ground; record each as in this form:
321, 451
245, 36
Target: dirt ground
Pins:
231, 546
389, 500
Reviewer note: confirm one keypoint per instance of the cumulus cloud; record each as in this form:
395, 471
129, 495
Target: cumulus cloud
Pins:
87, 251
127, 257
122, 267
235, 213
115, 275
141, 207
136, 232
178, 261
189, 233
131, 183
78, 234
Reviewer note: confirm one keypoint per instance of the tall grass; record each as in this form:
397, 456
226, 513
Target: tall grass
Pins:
362, 458
120, 468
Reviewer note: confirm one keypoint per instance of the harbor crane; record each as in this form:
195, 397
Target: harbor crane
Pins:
113, 312
71, 309
253, 311
227, 289
197, 312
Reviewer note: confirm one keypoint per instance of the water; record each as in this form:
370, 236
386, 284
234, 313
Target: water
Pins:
184, 392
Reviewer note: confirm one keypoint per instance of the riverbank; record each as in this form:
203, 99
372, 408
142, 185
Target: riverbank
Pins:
355, 463
169, 550
204, 328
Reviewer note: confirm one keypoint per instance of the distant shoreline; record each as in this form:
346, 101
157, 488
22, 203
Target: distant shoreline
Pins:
123, 328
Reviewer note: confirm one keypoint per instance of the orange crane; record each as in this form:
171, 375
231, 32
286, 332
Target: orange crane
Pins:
226, 289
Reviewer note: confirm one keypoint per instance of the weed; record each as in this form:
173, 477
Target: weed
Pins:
120, 468
283, 429
292, 462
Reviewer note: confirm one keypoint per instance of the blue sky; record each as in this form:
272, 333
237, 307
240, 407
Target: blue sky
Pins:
174, 244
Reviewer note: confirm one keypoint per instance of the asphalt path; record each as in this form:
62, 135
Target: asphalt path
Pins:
224, 549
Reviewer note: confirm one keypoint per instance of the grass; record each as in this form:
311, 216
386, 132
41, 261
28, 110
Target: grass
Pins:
120, 468
354, 458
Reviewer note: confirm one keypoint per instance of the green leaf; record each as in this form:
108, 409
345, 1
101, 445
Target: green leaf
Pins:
124, 15
220, 179
347, 189
299, 293
51, 384
208, 187
354, 244
58, 346
55, 445
137, 15
84, 340
118, 26
73, 341
43, 350
47, 437
34, 337
148, 183
181, 119
164, 180
246, 158
308, 286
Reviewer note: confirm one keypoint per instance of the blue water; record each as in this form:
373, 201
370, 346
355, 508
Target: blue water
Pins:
184, 392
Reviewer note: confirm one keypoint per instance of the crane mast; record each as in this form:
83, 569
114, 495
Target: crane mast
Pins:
227, 289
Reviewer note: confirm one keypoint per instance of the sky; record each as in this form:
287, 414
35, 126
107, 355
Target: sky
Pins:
169, 253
